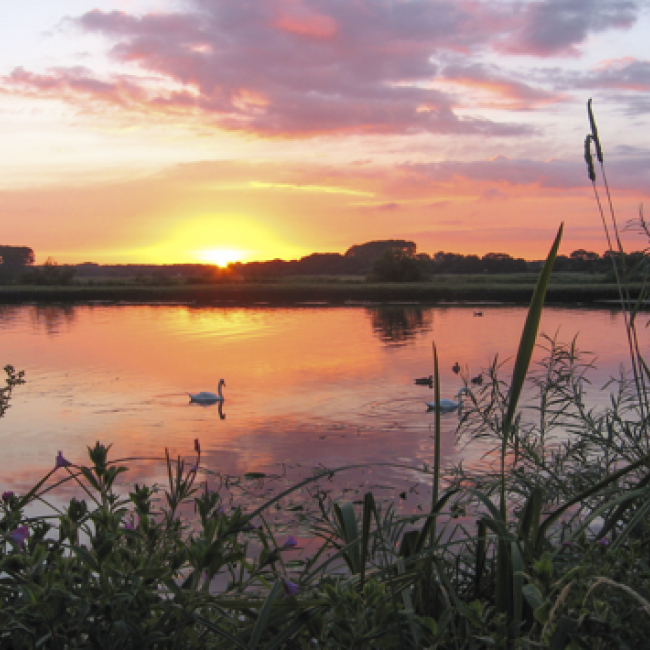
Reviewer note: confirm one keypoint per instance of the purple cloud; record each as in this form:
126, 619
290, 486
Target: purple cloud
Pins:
290, 68
553, 27
629, 174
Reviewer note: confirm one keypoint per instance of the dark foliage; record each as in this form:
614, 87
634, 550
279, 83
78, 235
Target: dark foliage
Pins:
50, 274
395, 265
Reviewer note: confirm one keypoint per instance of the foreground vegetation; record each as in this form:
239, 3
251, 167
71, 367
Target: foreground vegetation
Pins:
545, 548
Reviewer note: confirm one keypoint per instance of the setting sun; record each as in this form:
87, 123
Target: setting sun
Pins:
220, 256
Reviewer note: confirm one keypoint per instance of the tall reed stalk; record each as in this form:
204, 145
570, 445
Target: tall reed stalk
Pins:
629, 310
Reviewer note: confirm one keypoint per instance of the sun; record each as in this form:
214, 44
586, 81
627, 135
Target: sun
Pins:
220, 256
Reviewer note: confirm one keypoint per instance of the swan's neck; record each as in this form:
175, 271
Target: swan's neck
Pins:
219, 390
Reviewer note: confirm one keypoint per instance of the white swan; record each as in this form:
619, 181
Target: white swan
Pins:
206, 397
448, 405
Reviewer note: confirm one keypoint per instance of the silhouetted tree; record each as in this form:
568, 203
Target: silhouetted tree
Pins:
16, 256
397, 266
503, 263
14, 259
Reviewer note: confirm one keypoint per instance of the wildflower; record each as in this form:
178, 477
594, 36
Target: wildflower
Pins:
128, 525
197, 446
61, 461
7, 496
290, 542
19, 535
219, 512
290, 588
194, 468
603, 541
567, 544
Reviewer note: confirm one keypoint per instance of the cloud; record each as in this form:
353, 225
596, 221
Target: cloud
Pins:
622, 74
511, 93
492, 193
628, 174
290, 68
558, 27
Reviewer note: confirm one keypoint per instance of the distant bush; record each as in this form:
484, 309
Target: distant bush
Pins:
49, 274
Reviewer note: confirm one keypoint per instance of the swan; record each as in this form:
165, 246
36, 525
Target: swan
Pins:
448, 405
206, 397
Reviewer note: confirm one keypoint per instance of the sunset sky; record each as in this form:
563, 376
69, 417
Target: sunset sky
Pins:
162, 131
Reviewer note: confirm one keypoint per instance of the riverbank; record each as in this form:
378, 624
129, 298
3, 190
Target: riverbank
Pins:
518, 289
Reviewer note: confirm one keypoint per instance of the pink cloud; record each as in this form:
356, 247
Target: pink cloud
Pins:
297, 68
299, 19
315, 66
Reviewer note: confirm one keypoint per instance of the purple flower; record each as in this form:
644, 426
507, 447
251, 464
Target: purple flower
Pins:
567, 544
603, 542
219, 512
19, 535
290, 542
128, 525
290, 588
7, 496
197, 446
194, 468
61, 461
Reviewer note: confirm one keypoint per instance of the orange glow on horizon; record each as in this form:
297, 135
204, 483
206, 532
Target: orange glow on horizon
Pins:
218, 239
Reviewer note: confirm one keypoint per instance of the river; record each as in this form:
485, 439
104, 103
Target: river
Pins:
306, 387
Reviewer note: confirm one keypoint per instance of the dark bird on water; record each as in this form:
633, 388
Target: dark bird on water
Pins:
478, 380
424, 381
478, 313
456, 367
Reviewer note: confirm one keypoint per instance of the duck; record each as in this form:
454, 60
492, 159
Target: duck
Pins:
478, 380
206, 397
456, 367
478, 313
448, 405
424, 381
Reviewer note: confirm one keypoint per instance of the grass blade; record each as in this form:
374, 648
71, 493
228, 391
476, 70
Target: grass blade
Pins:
525, 352
260, 623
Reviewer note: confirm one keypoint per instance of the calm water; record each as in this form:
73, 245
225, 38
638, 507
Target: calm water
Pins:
305, 387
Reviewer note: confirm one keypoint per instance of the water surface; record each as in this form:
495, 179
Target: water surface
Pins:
305, 387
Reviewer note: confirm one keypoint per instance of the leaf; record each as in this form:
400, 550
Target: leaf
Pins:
533, 596
265, 611
347, 521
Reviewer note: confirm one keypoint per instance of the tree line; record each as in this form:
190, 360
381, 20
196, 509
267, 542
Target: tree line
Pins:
389, 260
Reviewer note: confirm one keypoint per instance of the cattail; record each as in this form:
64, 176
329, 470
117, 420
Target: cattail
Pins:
589, 159
594, 133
